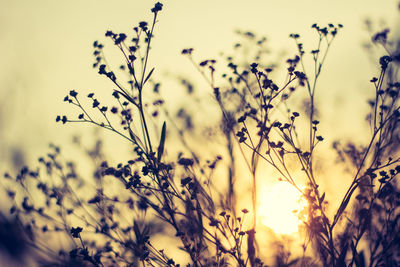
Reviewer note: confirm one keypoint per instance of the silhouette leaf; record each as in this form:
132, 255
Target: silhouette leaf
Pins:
162, 142
344, 204
148, 76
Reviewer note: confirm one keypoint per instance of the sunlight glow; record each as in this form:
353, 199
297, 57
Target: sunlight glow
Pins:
280, 208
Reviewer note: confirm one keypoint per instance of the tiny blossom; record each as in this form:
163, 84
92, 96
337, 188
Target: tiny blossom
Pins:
253, 67
240, 134
242, 119
384, 61
114, 110
95, 103
73, 93
157, 7
187, 51
203, 63
277, 124
185, 162
213, 222
143, 25
76, 231
111, 76
121, 37
186, 181
102, 69
242, 139
109, 33
274, 87
324, 31
115, 94
94, 200
300, 75
381, 36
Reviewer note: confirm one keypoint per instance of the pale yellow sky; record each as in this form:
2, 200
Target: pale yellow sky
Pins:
46, 48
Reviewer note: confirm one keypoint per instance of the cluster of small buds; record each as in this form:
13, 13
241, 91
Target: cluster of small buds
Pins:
209, 62
381, 37
187, 51
384, 62
97, 53
324, 32
301, 77
331, 29
157, 7
109, 74
292, 63
117, 38
62, 118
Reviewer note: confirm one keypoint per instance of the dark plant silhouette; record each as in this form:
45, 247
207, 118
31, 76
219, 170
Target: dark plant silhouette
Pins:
117, 216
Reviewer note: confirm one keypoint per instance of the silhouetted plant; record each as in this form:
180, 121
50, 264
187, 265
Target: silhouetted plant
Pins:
115, 217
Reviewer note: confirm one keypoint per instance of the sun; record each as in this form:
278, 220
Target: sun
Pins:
280, 206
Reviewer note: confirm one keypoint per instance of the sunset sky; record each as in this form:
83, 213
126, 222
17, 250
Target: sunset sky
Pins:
47, 51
